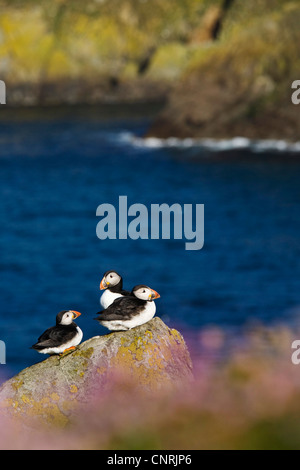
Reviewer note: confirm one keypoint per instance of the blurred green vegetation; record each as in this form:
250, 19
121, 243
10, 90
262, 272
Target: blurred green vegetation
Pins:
52, 39
259, 51
240, 84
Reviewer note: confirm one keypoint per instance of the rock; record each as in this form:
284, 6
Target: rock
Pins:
233, 87
54, 389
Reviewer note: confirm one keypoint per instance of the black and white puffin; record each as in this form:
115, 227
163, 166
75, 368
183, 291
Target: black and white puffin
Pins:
64, 336
112, 283
130, 311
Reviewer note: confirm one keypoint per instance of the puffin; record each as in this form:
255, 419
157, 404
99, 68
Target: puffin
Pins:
112, 283
130, 311
62, 337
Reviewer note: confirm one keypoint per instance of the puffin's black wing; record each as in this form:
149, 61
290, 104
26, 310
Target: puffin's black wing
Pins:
123, 308
56, 336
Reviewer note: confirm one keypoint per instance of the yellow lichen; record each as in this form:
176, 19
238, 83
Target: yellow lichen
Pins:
85, 353
144, 359
73, 388
45, 409
101, 370
25, 399
16, 384
176, 335
54, 396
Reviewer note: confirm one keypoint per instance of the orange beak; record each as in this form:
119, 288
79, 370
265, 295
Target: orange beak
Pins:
76, 314
103, 284
155, 295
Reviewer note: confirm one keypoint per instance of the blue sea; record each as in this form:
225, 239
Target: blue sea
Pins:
58, 165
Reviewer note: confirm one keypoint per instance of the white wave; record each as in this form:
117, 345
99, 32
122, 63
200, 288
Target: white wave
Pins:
235, 143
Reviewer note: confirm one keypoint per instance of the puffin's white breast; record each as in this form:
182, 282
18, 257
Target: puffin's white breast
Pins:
146, 315
108, 298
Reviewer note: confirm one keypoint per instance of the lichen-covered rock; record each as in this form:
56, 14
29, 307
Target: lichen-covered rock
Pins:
153, 355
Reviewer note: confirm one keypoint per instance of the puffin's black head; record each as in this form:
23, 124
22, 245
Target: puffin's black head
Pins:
65, 317
144, 292
110, 279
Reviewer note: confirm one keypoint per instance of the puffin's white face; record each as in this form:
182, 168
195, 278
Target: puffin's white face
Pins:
145, 293
110, 279
68, 317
